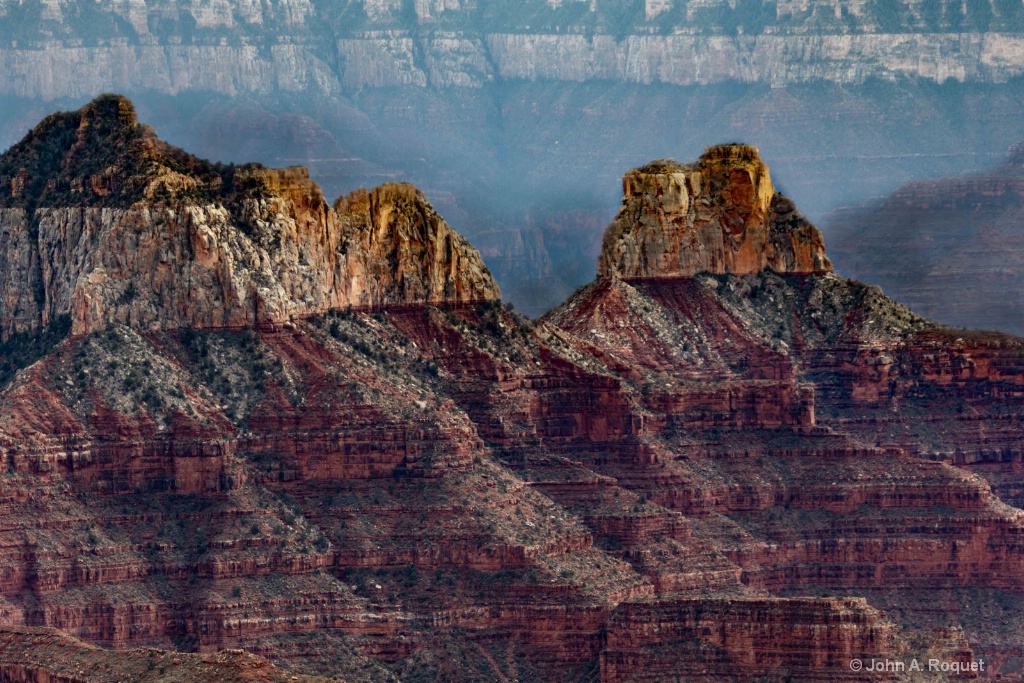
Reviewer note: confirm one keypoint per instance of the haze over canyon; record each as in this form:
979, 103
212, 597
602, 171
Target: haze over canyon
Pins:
517, 119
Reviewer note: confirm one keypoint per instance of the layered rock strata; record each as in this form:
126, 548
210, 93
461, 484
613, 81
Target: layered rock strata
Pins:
707, 640
41, 655
237, 47
208, 246
421, 483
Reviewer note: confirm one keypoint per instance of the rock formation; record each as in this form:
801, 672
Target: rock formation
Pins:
721, 215
406, 253
148, 236
956, 246
67, 51
677, 474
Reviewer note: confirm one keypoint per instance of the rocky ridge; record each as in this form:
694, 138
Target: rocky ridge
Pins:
148, 236
739, 467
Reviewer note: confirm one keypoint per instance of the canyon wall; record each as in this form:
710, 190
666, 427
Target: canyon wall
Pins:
432, 486
234, 48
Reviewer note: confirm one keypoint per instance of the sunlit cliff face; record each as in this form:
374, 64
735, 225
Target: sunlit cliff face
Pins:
720, 215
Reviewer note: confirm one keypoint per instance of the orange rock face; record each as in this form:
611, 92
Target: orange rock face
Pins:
720, 215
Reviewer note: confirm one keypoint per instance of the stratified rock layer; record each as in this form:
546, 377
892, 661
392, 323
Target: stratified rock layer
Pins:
41, 655
708, 640
301, 46
720, 215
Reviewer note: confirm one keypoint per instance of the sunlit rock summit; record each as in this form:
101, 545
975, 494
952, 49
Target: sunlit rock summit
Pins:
105, 223
720, 215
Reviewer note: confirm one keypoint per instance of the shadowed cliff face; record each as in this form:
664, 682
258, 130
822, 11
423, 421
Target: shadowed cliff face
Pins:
954, 246
708, 457
720, 215
105, 223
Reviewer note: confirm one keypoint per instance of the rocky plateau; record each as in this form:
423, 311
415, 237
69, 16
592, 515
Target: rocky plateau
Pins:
234, 416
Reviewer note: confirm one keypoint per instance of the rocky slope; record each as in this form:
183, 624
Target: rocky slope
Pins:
40, 655
429, 486
956, 246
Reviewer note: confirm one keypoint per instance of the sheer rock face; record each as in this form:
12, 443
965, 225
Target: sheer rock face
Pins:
407, 254
280, 46
101, 221
720, 215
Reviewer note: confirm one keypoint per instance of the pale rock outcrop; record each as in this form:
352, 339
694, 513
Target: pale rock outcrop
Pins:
263, 47
454, 60
56, 70
212, 247
431, 9
380, 59
720, 215
381, 10
682, 59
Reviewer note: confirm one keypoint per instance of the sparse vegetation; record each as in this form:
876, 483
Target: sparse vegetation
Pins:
118, 161
24, 348
235, 366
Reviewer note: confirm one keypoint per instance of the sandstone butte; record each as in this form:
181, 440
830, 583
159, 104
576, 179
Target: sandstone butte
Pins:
233, 416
